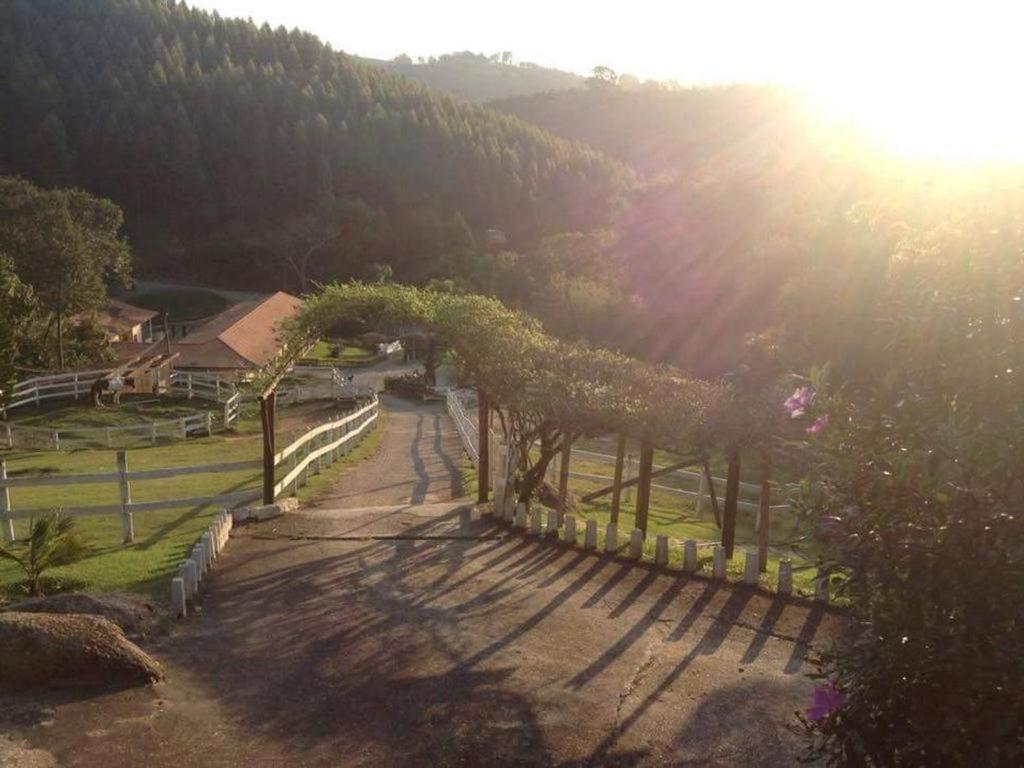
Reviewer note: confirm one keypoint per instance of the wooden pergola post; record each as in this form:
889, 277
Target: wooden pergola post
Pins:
483, 470
563, 476
267, 402
732, 497
762, 514
620, 458
643, 492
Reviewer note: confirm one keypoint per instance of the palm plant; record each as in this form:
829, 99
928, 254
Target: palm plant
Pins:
52, 542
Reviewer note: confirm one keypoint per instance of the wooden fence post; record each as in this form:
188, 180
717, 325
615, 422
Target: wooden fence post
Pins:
9, 434
563, 475
127, 523
76, 386
56, 440
152, 433
209, 423
267, 420
762, 514
483, 448
643, 491
732, 491
620, 457
5, 505
188, 395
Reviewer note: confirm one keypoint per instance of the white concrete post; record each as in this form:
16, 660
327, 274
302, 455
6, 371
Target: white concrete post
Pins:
509, 511
570, 530
661, 550
200, 562
785, 577
611, 537
5, 505
751, 572
179, 602
821, 589
520, 515
718, 569
690, 556
187, 571
127, 522
206, 540
552, 527
636, 544
590, 535
535, 521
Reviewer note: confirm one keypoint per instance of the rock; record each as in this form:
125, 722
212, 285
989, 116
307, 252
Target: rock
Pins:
17, 754
132, 614
46, 649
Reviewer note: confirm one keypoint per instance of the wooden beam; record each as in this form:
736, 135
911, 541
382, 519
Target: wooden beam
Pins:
711, 492
763, 511
732, 497
643, 491
483, 442
267, 403
620, 458
563, 474
630, 483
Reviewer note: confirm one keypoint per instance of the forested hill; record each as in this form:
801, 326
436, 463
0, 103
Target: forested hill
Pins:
660, 131
480, 78
217, 136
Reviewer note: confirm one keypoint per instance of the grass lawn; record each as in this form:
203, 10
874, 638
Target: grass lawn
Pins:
162, 538
135, 409
181, 303
350, 355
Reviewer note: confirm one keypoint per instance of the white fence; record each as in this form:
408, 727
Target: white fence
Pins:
44, 438
318, 447
207, 386
321, 446
35, 390
467, 429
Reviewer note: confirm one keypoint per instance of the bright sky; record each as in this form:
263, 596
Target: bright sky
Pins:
899, 61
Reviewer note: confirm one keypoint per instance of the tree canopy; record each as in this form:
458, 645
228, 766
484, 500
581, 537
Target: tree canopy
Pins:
211, 133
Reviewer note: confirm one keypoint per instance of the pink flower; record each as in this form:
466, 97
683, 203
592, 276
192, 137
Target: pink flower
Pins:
798, 403
818, 425
825, 700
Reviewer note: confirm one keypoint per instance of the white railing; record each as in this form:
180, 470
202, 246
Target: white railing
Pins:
321, 445
45, 438
207, 386
123, 479
467, 429
316, 448
232, 409
465, 426
35, 390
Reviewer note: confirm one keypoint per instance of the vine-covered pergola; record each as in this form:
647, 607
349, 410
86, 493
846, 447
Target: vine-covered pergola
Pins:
545, 392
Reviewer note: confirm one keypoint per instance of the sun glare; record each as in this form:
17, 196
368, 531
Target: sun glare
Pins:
931, 87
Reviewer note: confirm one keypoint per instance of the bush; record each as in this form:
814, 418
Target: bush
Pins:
409, 385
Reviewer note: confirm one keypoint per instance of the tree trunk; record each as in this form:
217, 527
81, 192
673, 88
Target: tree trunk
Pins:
60, 339
732, 497
643, 490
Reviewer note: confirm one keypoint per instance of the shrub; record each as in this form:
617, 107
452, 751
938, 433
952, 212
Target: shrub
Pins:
52, 542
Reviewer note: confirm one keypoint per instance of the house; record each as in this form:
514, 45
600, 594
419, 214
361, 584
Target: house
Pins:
242, 338
126, 323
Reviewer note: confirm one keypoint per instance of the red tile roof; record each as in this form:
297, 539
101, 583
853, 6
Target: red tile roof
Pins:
247, 335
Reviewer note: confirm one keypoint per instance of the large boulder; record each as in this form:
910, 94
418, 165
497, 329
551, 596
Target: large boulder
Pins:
44, 649
132, 614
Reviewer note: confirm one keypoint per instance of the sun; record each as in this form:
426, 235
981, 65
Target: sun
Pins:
933, 80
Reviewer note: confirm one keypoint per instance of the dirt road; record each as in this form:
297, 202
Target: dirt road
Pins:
377, 628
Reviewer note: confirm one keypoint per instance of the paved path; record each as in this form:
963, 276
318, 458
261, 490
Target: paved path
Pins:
376, 628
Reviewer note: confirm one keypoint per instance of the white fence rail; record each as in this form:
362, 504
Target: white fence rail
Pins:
467, 429
207, 386
37, 389
322, 445
316, 448
44, 438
